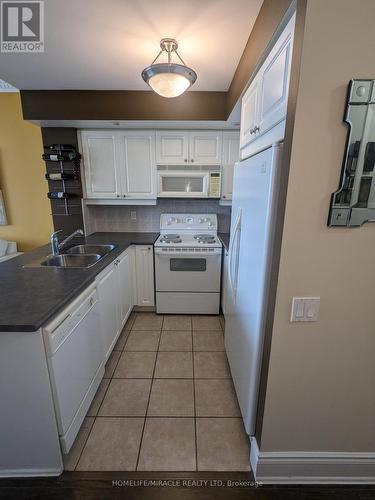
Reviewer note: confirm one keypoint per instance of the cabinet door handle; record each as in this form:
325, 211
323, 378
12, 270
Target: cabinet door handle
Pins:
251, 131
118, 196
192, 160
185, 160
256, 129
124, 195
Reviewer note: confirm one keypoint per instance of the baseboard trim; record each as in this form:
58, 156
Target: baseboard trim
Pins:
144, 308
30, 473
299, 467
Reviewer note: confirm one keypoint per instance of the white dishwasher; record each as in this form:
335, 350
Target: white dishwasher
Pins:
75, 361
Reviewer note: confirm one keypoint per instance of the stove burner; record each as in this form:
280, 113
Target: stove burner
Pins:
170, 238
205, 238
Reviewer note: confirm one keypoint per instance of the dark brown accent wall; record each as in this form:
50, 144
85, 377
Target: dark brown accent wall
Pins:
73, 221
121, 105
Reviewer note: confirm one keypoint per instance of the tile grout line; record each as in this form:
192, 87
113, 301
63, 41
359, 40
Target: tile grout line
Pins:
84, 445
164, 416
171, 350
149, 397
194, 399
172, 378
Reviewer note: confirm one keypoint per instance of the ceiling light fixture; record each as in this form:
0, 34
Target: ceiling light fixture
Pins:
169, 79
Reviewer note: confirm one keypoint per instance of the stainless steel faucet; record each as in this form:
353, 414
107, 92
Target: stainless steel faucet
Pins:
55, 245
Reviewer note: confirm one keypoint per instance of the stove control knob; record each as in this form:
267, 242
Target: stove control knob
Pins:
189, 220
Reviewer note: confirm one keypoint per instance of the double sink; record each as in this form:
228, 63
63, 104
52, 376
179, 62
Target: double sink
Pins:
81, 256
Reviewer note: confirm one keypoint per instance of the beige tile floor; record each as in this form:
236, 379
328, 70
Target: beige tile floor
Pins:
166, 402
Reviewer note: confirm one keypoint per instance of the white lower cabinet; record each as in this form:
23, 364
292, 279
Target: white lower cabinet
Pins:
116, 298
125, 284
144, 267
107, 286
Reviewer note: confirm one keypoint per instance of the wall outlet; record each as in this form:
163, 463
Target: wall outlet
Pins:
305, 309
133, 215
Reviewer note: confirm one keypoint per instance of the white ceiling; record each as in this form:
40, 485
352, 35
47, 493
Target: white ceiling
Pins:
105, 44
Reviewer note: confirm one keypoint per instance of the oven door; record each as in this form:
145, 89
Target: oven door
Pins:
182, 184
187, 271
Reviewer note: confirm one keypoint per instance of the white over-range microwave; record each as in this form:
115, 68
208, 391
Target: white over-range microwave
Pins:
197, 182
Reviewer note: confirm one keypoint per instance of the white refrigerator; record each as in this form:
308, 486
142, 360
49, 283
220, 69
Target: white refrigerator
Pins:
255, 187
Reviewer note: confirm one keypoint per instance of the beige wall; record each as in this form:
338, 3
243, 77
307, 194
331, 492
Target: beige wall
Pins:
320, 395
22, 177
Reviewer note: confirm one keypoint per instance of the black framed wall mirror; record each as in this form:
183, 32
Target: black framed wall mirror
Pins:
353, 203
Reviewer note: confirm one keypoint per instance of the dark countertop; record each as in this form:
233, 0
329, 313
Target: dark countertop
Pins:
224, 237
29, 297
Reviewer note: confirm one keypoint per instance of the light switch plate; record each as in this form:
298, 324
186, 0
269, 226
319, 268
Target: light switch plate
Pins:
305, 309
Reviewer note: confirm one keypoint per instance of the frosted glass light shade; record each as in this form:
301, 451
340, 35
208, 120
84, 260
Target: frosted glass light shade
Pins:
169, 80
169, 84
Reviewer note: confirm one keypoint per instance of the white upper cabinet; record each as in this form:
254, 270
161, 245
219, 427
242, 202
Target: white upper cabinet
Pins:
275, 81
249, 112
172, 147
202, 147
231, 150
205, 147
101, 170
119, 165
138, 165
264, 104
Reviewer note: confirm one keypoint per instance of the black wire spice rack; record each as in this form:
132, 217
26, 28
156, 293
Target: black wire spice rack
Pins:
63, 176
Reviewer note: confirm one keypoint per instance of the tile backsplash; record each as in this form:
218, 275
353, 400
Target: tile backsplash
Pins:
118, 218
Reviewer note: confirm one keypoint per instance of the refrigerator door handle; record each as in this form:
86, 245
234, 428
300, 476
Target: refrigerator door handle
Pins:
234, 254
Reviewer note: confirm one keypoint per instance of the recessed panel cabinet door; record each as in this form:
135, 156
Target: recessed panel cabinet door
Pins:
125, 281
249, 113
138, 165
172, 147
107, 286
231, 149
144, 262
205, 147
101, 171
275, 81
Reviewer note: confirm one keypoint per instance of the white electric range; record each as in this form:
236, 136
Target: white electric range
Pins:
188, 264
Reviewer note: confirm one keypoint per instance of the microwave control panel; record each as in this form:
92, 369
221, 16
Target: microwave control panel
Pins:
214, 189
